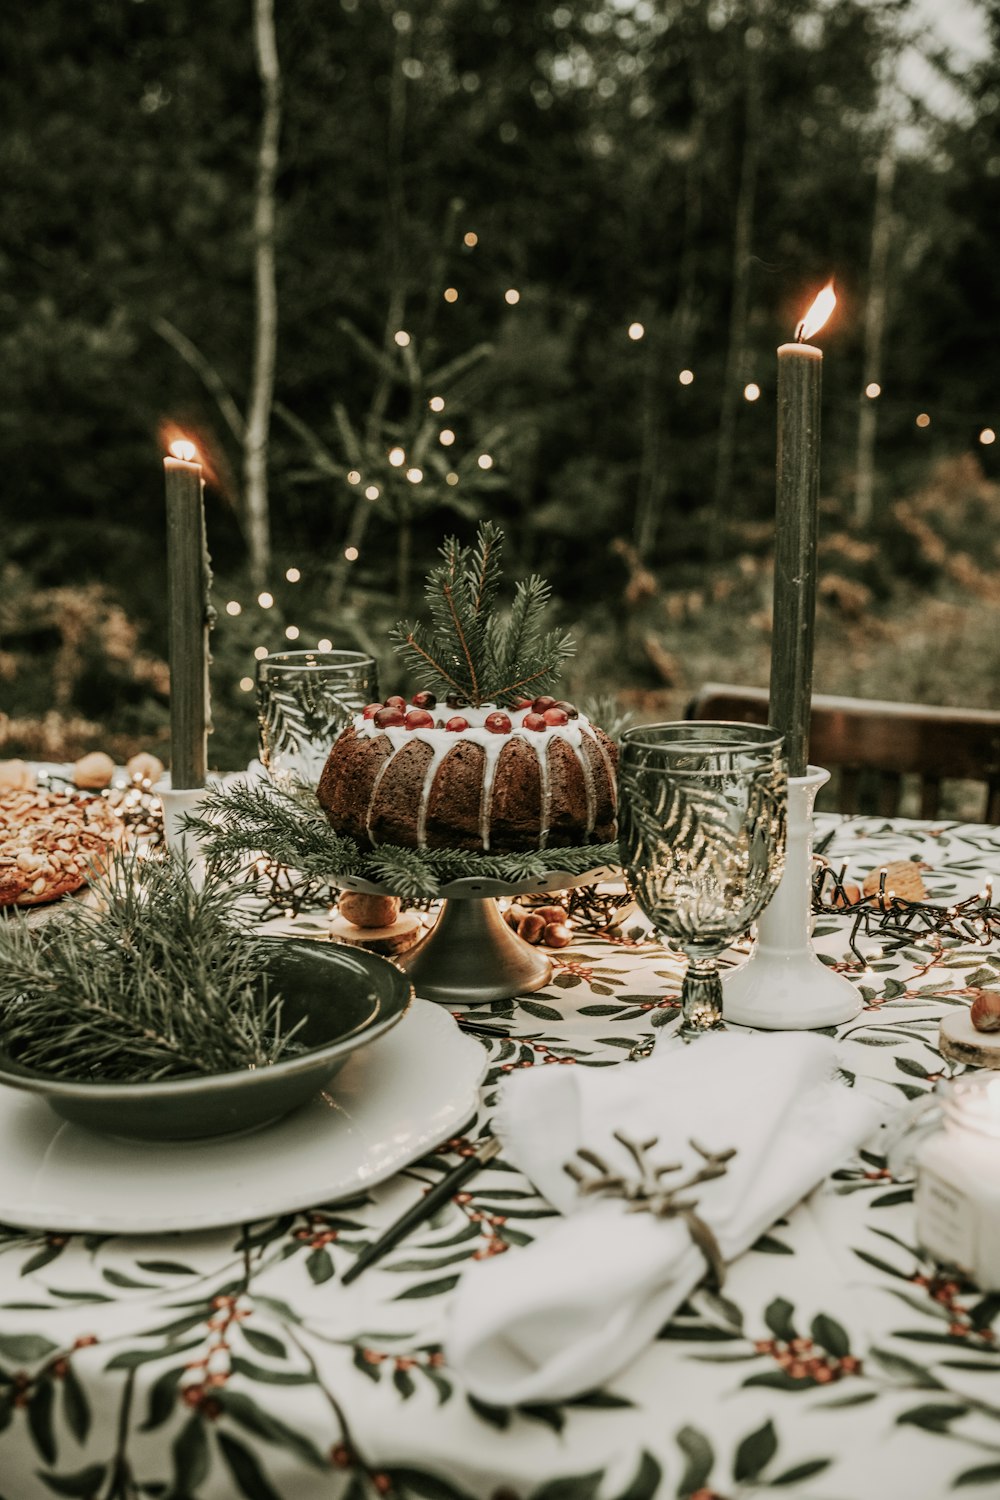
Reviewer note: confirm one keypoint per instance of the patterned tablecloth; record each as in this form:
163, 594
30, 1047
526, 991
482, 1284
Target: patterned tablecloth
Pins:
838, 1363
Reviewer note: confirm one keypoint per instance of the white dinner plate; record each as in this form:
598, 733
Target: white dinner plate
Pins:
390, 1104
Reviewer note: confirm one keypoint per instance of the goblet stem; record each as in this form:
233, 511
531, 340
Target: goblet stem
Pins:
701, 994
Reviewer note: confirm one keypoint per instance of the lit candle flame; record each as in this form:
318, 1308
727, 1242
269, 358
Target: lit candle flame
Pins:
183, 448
823, 305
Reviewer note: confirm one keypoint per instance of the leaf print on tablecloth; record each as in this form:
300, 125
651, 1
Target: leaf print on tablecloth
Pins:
191, 1455
427, 1289
754, 1454
932, 1416
41, 1404
247, 1474
982, 1474
646, 1483
81, 1483
769, 1245
161, 1399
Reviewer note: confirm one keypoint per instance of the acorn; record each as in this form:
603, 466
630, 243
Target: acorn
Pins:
984, 1013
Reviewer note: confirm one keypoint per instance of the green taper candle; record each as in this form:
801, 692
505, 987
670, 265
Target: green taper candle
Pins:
800, 373
188, 580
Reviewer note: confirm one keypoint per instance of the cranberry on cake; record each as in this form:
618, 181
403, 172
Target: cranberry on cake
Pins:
500, 765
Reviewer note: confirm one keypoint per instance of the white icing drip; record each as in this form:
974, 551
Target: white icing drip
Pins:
486, 795
437, 757
371, 800
443, 740
545, 784
590, 790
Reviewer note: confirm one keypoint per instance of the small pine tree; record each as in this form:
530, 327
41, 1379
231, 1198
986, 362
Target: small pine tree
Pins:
470, 651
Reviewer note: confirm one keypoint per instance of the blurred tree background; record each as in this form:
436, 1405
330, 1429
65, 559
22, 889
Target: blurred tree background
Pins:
528, 261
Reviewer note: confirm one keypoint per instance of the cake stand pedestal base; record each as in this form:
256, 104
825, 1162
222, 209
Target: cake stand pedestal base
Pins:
470, 957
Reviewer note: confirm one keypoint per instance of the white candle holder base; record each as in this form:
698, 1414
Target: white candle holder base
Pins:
784, 985
181, 842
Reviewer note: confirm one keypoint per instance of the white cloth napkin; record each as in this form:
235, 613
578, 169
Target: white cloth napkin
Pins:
563, 1315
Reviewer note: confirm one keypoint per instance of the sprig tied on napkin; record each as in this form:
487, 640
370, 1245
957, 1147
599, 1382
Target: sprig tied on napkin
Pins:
565, 1314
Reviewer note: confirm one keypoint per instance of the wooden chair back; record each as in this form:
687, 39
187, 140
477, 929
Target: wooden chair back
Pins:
865, 741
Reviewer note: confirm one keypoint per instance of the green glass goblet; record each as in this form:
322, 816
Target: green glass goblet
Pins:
701, 820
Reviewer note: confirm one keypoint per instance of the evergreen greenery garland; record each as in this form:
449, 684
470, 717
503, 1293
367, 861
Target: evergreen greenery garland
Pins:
248, 819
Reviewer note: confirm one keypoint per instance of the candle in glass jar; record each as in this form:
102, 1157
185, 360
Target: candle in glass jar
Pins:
958, 1181
800, 371
188, 580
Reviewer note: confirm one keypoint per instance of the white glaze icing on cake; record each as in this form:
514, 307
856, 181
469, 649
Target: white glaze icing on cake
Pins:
442, 741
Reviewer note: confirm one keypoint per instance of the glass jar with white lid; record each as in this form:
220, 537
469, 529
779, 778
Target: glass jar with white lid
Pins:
958, 1180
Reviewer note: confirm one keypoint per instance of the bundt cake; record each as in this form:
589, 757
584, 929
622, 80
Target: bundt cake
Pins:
535, 776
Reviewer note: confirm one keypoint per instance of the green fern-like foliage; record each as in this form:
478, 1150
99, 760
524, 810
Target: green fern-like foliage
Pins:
471, 650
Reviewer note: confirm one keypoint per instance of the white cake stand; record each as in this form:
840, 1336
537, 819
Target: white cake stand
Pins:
471, 956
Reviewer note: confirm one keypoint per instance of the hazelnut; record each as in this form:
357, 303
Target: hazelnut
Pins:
531, 928
368, 911
16, 775
984, 1012
514, 916
93, 771
551, 914
144, 767
557, 935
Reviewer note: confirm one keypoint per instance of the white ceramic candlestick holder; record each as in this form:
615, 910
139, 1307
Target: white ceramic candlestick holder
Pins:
784, 985
178, 804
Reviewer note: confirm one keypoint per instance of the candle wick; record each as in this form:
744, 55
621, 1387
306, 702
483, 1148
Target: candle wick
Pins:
800, 332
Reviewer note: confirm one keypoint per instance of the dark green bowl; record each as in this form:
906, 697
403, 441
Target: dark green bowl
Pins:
345, 998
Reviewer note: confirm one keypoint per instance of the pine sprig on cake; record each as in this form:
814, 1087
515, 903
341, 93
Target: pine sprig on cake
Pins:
471, 652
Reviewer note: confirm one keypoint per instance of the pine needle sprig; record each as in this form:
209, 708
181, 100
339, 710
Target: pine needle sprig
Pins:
460, 595
158, 980
247, 819
472, 650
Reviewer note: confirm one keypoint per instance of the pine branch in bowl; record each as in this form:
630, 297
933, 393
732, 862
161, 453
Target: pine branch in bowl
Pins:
156, 1016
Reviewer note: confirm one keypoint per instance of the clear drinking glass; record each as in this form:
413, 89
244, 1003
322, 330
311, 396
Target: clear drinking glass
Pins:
701, 820
304, 699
